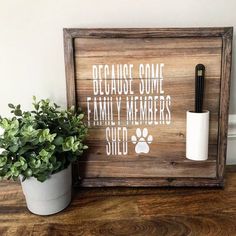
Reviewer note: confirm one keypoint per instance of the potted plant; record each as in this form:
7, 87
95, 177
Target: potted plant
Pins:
39, 147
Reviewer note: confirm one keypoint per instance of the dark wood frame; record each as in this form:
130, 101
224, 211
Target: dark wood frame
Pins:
226, 33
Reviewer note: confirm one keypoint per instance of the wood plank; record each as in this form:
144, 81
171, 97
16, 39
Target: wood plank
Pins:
147, 32
175, 132
179, 87
150, 182
177, 104
69, 68
113, 44
175, 116
151, 168
175, 66
224, 101
162, 151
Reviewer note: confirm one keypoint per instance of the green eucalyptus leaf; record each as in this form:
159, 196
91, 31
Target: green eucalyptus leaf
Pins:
42, 178
57, 165
11, 106
17, 164
14, 171
22, 160
3, 161
36, 106
65, 148
28, 172
18, 112
8, 175
81, 116
24, 149
13, 148
24, 166
43, 153
37, 163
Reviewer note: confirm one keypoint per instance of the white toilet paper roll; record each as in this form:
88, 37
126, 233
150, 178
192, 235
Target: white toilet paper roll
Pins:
197, 135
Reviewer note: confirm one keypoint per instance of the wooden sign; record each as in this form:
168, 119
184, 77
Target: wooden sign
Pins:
135, 86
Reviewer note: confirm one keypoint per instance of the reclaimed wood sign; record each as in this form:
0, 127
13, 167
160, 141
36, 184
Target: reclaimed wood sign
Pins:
135, 86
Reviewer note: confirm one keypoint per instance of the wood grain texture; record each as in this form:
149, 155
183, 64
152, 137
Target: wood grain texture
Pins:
127, 211
146, 32
69, 68
180, 50
224, 100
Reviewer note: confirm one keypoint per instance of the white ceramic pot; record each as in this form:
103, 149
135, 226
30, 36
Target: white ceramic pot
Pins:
50, 196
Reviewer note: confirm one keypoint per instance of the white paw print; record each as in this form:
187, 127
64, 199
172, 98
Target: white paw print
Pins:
142, 140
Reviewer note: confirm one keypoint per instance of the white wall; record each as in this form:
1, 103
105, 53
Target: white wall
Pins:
31, 40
